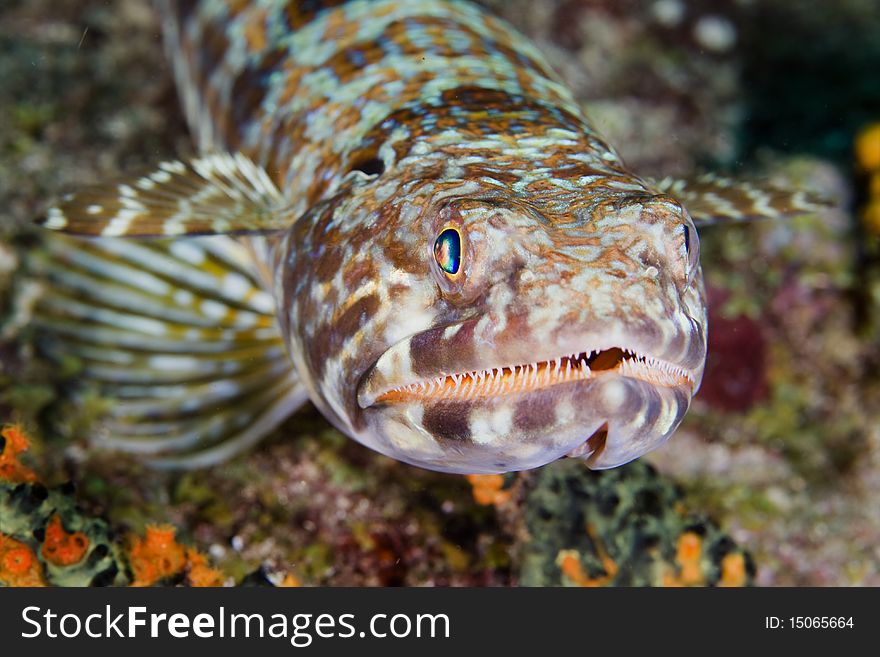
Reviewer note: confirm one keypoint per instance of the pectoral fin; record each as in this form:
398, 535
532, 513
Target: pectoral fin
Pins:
178, 338
713, 199
210, 195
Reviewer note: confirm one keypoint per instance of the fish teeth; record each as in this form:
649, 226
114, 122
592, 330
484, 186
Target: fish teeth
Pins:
506, 380
514, 378
468, 387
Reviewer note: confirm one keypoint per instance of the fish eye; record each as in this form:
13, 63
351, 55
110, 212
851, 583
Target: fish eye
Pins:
448, 251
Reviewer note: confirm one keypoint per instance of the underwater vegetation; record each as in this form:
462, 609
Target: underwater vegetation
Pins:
781, 449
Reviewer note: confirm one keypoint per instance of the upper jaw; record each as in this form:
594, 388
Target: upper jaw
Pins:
402, 373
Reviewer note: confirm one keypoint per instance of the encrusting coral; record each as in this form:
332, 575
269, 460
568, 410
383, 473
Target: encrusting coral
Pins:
46, 539
12, 443
157, 556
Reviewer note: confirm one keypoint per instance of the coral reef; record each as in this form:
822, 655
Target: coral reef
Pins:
44, 537
622, 527
47, 540
628, 523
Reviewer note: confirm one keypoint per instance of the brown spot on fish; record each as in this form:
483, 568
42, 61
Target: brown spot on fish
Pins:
448, 421
328, 264
354, 317
331, 337
431, 353
362, 269
535, 412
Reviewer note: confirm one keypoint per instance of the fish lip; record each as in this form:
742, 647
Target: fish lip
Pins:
370, 391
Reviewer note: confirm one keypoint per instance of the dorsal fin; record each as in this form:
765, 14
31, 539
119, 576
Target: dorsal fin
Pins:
712, 199
211, 195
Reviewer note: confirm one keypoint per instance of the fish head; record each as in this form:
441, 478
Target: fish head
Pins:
488, 335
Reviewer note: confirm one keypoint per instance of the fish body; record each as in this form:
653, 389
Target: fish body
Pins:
462, 273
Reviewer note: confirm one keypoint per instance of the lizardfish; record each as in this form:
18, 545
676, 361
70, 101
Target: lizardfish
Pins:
400, 213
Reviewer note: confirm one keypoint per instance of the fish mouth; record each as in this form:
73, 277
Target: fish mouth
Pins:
532, 377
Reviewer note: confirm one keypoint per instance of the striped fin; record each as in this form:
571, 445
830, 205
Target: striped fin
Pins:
179, 337
712, 199
211, 195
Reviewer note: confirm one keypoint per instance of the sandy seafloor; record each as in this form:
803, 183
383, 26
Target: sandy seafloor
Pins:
781, 451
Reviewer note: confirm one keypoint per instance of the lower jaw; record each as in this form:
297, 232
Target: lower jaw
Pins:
606, 425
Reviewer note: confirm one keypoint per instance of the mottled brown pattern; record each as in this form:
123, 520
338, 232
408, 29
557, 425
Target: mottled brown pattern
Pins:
350, 61
465, 109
